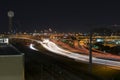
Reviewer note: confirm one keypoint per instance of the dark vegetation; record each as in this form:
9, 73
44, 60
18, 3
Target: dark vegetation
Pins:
113, 50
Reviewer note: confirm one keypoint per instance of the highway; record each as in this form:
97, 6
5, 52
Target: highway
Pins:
76, 65
49, 45
39, 66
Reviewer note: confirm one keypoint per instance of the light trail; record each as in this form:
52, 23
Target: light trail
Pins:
31, 46
49, 45
77, 57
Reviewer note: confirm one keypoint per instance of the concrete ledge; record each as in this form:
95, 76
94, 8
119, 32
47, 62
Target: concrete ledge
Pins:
12, 67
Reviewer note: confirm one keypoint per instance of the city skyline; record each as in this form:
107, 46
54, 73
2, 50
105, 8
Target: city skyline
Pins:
61, 16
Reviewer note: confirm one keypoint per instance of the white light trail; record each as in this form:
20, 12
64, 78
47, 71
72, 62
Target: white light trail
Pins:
32, 47
49, 45
76, 56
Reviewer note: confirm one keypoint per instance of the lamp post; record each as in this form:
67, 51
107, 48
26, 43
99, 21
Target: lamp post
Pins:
90, 52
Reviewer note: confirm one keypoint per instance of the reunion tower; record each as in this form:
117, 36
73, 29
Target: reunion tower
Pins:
10, 15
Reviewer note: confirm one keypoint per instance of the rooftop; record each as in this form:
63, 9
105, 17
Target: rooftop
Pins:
8, 50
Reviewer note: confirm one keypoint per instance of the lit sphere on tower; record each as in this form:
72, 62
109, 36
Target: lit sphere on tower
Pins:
10, 14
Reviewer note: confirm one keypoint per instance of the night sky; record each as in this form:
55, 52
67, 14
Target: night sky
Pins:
62, 16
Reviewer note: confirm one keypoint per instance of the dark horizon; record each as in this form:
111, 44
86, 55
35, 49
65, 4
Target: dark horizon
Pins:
60, 16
